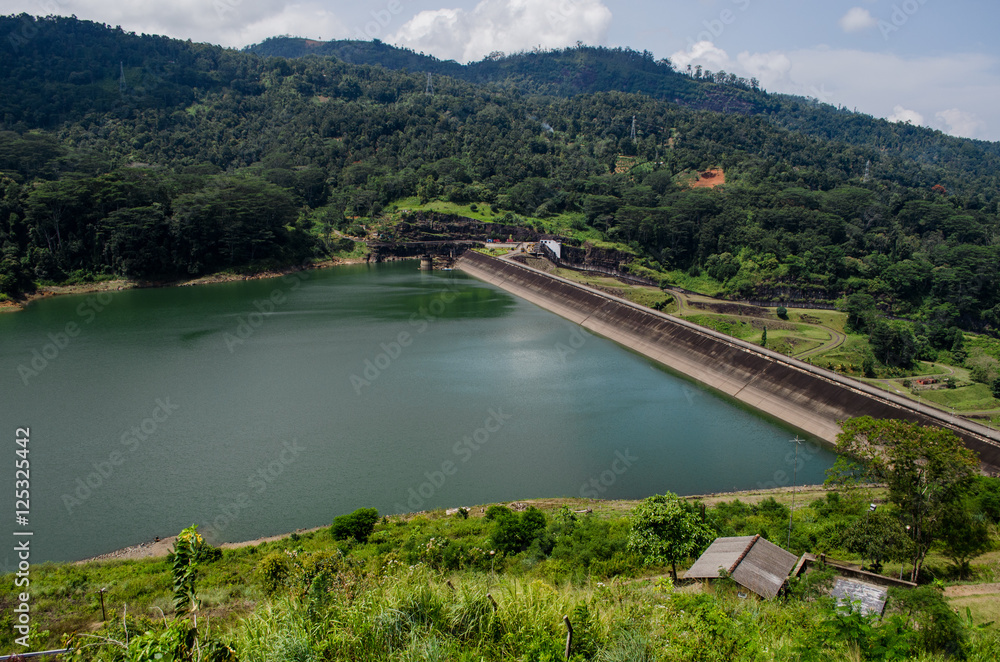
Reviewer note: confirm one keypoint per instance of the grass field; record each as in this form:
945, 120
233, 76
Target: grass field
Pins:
974, 397
703, 284
983, 608
651, 297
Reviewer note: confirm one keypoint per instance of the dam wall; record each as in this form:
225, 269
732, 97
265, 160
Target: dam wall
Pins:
811, 399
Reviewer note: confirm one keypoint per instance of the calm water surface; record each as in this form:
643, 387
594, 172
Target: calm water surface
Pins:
255, 408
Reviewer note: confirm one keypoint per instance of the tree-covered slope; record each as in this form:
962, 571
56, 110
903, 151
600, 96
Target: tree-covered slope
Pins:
588, 70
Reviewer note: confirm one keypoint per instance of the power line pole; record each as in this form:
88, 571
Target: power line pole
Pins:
430, 84
795, 468
121, 81
633, 128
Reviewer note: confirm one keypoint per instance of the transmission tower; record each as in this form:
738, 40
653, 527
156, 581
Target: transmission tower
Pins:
430, 84
633, 128
121, 81
868, 170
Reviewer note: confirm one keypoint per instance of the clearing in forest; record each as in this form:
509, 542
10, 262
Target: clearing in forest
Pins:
709, 178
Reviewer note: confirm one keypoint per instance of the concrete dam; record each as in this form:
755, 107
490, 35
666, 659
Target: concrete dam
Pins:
812, 399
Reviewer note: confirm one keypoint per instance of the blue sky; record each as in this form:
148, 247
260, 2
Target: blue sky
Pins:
931, 62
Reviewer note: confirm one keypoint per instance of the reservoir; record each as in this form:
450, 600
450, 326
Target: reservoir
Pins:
258, 407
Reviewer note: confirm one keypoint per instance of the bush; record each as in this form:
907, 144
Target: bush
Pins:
513, 533
938, 628
273, 569
205, 553
357, 525
782, 312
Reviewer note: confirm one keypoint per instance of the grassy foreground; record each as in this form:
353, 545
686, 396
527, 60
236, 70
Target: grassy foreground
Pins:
435, 586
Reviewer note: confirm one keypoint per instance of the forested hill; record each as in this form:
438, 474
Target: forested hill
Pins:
151, 157
588, 70
567, 72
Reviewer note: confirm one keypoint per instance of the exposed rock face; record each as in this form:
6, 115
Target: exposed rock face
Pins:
432, 226
588, 255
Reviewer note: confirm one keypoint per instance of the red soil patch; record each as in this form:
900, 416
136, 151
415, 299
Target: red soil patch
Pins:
710, 179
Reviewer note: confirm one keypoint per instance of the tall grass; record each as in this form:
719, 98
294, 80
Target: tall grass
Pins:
415, 613
419, 614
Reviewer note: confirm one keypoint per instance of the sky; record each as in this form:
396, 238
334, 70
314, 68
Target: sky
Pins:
934, 63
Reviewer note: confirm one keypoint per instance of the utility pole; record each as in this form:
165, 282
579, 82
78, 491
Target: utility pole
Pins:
795, 468
868, 170
633, 128
430, 84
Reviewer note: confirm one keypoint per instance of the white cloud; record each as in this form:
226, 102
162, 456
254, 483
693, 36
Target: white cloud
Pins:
504, 25
906, 116
704, 53
857, 19
880, 84
765, 66
961, 123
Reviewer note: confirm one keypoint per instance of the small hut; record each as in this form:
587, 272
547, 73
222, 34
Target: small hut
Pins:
751, 561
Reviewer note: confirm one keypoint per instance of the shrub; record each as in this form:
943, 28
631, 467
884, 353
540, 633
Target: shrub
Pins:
273, 570
513, 533
782, 312
357, 525
938, 628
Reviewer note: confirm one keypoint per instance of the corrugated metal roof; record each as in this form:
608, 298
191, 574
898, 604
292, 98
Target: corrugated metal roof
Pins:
858, 595
722, 554
751, 561
765, 568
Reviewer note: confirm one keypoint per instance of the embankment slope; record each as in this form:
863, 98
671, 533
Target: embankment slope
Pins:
809, 398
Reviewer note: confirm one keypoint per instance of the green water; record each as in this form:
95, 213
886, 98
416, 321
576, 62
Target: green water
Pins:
255, 408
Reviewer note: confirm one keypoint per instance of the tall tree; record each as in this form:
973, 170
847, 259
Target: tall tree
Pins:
927, 470
667, 529
965, 534
878, 537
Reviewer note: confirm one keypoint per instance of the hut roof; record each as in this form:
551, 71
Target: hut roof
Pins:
867, 598
751, 561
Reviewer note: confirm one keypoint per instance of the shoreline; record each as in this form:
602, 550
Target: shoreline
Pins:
123, 284
154, 549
